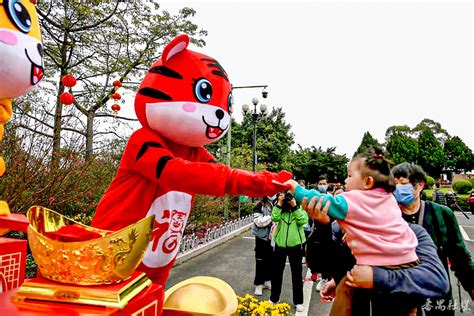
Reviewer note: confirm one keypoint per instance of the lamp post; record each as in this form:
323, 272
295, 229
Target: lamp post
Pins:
229, 137
255, 117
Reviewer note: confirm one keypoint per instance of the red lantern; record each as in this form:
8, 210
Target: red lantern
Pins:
117, 83
116, 96
115, 107
66, 98
69, 81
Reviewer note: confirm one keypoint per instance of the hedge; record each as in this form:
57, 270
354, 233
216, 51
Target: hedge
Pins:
462, 186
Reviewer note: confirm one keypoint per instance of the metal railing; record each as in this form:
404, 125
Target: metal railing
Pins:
192, 241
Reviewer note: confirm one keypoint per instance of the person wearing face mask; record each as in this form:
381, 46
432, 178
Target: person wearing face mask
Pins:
319, 245
442, 226
322, 184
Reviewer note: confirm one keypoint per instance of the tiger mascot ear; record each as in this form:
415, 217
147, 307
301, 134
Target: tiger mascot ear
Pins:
177, 45
21, 58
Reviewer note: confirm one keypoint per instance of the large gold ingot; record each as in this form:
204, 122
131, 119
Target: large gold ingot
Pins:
109, 259
200, 296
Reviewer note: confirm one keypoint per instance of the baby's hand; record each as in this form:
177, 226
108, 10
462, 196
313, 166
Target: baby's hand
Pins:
292, 184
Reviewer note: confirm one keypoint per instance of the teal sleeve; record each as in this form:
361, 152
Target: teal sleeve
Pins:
301, 216
338, 208
276, 214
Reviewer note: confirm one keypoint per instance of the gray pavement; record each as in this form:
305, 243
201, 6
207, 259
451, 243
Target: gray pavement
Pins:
234, 263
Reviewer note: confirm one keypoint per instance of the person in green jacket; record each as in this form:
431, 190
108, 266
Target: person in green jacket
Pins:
289, 239
442, 226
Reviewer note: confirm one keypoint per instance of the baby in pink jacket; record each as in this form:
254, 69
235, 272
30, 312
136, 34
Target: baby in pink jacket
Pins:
371, 218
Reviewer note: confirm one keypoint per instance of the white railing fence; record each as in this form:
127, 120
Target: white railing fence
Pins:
192, 241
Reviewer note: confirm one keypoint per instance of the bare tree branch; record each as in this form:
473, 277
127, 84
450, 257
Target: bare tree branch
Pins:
91, 26
116, 116
33, 130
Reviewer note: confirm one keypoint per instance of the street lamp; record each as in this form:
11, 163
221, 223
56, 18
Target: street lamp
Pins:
255, 117
229, 132
264, 95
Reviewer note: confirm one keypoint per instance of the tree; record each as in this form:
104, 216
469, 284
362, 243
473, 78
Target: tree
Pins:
439, 132
100, 42
367, 141
459, 157
400, 145
274, 139
311, 163
430, 154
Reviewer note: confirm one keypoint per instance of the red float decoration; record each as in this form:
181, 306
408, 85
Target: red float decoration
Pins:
66, 98
69, 80
117, 83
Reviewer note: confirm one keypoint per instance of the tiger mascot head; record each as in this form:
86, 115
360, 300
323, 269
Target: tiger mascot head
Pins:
185, 96
21, 59
21, 51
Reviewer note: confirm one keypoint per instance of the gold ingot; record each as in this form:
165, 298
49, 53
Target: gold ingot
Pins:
200, 296
109, 259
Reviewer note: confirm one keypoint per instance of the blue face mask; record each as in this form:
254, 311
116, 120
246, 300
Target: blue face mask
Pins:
404, 194
322, 188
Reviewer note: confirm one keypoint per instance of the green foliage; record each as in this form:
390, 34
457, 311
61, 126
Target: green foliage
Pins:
400, 145
208, 209
246, 208
31, 267
462, 186
274, 139
430, 181
73, 189
462, 202
472, 181
459, 157
438, 131
367, 141
311, 163
430, 156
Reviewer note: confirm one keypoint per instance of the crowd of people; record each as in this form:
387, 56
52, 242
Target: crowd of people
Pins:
374, 246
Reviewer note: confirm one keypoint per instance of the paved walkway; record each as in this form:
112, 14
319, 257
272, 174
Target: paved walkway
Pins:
234, 262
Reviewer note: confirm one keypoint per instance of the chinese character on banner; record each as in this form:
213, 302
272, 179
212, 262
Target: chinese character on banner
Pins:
465, 305
440, 305
427, 306
453, 305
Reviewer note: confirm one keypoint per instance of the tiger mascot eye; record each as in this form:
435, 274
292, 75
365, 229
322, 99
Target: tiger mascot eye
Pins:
21, 58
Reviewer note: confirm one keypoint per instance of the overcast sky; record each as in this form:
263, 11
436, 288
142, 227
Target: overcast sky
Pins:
339, 69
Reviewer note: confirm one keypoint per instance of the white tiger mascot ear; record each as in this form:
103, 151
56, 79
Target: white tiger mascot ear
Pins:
21, 59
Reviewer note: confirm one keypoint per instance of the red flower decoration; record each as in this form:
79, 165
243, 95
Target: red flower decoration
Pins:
115, 107
117, 83
116, 96
69, 81
66, 98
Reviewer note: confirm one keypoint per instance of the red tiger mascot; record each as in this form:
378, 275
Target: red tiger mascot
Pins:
183, 104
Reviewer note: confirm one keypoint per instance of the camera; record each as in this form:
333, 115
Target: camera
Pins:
286, 206
288, 197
